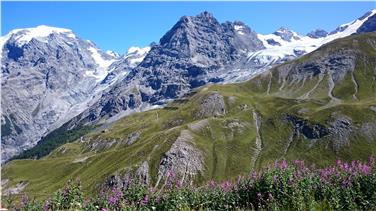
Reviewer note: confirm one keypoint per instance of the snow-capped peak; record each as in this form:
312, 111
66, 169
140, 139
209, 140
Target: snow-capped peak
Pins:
317, 33
283, 29
286, 34
22, 36
351, 27
285, 44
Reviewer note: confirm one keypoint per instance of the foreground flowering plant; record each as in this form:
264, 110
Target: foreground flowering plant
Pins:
282, 186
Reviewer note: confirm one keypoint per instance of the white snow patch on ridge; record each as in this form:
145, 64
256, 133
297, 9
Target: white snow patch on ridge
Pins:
239, 29
103, 64
304, 44
136, 55
138, 50
23, 36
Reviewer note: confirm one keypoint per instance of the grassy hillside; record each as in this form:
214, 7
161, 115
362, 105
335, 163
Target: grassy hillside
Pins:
298, 110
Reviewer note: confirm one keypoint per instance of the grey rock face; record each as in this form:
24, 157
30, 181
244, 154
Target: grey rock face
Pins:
45, 82
368, 26
340, 130
318, 33
365, 15
100, 144
212, 105
335, 65
142, 173
194, 49
122, 180
183, 159
132, 138
273, 42
17, 189
286, 34
368, 130
307, 129
339, 29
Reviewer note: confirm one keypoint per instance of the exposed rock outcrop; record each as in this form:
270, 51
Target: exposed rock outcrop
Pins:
212, 105
340, 129
125, 178
132, 137
307, 129
183, 159
99, 144
368, 130
17, 189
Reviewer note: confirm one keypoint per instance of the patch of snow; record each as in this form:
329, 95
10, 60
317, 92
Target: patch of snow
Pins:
136, 55
239, 29
351, 28
23, 36
103, 64
112, 53
138, 50
304, 44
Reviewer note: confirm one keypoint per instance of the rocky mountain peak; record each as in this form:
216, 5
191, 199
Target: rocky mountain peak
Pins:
318, 33
41, 33
286, 34
369, 24
205, 14
193, 35
188, 29
238, 27
48, 76
367, 14
366, 23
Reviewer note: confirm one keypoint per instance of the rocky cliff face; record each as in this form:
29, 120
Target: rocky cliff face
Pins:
369, 25
195, 49
48, 76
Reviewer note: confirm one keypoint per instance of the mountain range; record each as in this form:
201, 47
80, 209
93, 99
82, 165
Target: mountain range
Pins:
79, 110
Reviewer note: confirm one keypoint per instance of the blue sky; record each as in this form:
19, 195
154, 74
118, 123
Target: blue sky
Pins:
119, 25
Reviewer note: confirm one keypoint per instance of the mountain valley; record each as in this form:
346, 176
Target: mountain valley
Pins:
210, 101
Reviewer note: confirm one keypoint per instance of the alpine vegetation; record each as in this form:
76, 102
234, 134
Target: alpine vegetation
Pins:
280, 186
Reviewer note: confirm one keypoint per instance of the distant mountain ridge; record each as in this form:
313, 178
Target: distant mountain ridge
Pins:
50, 76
